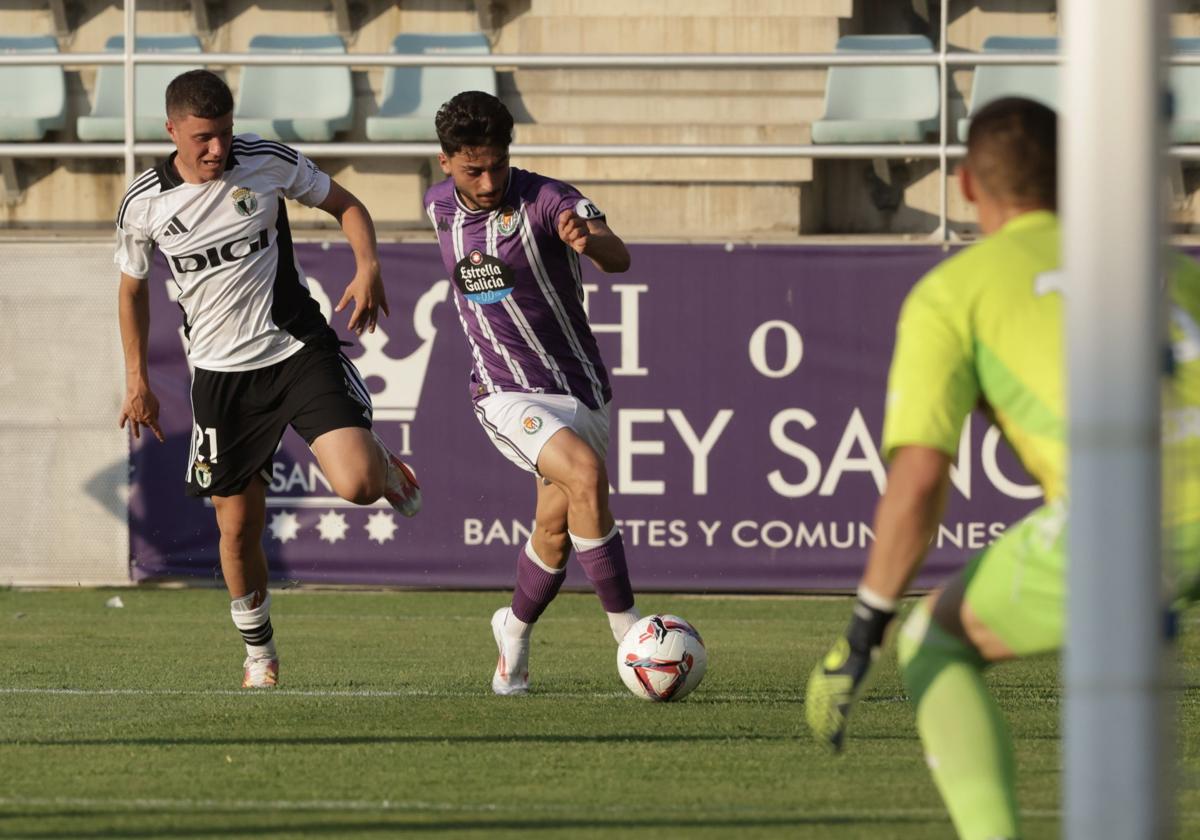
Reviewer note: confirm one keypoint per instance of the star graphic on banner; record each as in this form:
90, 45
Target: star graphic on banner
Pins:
285, 526
381, 526
332, 526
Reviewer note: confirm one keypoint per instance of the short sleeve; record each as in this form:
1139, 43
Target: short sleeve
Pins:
134, 245
932, 385
309, 185
558, 196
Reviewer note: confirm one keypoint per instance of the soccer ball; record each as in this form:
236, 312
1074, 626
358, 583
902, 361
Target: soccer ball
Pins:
662, 658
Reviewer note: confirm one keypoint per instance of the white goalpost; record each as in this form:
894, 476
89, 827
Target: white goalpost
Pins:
1116, 719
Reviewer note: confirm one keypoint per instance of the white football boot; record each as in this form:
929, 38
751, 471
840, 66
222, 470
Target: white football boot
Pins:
260, 672
402, 491
512, 668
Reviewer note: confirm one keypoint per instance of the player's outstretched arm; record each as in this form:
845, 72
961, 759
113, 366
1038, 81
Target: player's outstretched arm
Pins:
139, 407
366, 289
595, 240
905, 521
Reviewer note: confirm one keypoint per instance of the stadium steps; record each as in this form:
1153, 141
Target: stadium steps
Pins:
701, 212
788, 82
679, 169
683, 197
699, 108
699, 8
677, 197
680, 33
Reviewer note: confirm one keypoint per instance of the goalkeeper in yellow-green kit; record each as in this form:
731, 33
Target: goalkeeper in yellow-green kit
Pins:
984, 328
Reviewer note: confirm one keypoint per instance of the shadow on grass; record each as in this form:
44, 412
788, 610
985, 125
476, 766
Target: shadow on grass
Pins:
241, 826
350, 740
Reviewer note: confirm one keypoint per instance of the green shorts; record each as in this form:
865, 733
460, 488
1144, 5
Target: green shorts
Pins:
1016, 586
1183, 562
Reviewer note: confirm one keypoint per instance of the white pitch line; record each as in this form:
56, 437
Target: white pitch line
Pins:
276, 692
474, 807
371, 693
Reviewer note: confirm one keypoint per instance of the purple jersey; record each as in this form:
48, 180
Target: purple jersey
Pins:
518, 289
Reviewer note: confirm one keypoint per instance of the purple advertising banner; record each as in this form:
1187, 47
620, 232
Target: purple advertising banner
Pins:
748, 404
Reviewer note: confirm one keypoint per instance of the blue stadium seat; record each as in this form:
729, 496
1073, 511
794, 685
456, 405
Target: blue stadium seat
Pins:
33, 98
412, 95
1184, 82
107, 119
879, 104
295, 102
1032, 81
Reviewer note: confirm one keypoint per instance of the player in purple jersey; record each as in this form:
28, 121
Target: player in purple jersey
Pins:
264, 357
511, 241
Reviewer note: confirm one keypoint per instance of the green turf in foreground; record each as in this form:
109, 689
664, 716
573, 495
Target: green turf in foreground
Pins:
386, 726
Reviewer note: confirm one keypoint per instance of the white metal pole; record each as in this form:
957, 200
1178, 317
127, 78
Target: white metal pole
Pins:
130, 45
1117, 782
943, 121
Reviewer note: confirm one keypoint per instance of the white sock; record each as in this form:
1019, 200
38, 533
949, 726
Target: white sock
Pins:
588, 543
620, 622
248, 618
537, 560
515, 628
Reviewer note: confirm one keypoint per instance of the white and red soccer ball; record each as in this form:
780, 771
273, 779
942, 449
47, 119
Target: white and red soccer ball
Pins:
662, 658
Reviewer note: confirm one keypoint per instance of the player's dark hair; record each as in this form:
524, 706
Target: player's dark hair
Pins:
473, 119
1012, 149
198, 93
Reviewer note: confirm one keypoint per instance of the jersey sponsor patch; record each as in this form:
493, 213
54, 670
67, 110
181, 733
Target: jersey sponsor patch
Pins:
219, 255
483, 278
586, 210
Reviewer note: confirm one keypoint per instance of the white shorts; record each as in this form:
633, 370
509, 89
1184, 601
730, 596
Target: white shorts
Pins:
519, 424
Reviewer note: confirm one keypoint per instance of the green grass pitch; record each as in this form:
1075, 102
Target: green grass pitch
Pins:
129, 723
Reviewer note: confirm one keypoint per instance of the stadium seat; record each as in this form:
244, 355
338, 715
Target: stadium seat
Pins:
33, 98
993, 81
107, 119
295, 102
1184, 82
879, 104
412, 95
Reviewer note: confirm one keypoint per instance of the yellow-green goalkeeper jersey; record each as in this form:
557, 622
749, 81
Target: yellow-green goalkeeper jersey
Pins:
985, 328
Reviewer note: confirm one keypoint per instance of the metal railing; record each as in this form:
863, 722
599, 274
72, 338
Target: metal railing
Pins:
942, 150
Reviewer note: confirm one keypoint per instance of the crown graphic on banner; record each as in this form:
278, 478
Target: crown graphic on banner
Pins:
402, 378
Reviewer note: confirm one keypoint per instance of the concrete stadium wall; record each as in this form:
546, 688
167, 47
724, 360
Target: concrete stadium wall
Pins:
64, 473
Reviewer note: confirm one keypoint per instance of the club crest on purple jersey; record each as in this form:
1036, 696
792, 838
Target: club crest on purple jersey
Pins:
482, 278
508, 221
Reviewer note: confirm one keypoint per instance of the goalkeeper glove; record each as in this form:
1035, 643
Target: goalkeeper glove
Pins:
839, 679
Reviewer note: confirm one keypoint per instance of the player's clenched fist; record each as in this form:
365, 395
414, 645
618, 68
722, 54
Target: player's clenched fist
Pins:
573, 230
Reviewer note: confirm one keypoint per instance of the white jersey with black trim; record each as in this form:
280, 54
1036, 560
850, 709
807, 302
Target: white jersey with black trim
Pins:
244, 297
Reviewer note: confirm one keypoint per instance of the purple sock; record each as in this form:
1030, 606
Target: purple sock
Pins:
535, 590
605, 568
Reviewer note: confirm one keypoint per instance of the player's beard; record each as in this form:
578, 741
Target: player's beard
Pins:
478, 202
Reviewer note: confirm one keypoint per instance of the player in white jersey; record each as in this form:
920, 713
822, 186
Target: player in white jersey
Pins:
511, 240
263, 355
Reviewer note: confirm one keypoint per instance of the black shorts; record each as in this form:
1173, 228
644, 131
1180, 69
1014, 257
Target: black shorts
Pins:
239, 417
